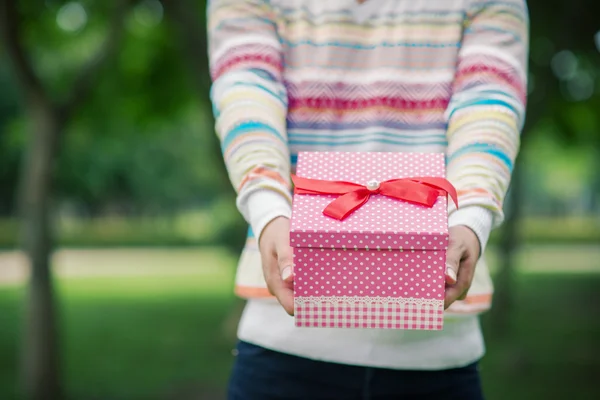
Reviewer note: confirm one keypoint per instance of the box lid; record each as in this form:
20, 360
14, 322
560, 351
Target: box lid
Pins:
380, 223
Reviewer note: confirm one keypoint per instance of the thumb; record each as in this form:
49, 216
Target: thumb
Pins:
285, 264
285, 261
453, 256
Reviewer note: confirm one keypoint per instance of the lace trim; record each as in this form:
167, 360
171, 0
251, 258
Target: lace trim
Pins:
367, 301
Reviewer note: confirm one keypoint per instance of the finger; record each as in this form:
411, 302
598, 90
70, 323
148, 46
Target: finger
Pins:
459, 290
451, 275
271, 271
286, 276
453, 256
277, 287
452, 294
285, 261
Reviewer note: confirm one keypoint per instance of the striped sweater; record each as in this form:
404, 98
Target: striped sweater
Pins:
385, 75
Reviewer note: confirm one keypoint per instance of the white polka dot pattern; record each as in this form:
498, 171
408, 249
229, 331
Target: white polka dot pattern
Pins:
386, 255
325, 272
380, 223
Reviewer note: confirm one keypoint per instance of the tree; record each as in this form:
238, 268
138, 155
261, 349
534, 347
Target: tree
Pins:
187, 21
562, 62
48, 116
192, 36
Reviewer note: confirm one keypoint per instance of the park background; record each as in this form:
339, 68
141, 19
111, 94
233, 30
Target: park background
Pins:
138, 220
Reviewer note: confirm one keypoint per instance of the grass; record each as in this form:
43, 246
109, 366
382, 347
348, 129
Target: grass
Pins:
552, 351
134, 337
161, 336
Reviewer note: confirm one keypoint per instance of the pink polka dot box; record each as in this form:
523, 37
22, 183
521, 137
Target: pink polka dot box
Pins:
374, 257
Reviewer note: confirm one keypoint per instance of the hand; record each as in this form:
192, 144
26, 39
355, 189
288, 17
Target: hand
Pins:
461, 258
276, 255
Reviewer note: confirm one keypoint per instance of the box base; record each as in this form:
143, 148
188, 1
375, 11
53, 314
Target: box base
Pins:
369, 312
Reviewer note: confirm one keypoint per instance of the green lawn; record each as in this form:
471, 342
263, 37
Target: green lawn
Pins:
131, 338
553, 350
163, 336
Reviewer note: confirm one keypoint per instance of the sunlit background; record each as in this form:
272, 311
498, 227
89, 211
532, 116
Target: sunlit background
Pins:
146, 232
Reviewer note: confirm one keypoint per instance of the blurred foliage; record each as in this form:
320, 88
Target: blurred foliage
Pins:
144, 143
143, 147
217, 223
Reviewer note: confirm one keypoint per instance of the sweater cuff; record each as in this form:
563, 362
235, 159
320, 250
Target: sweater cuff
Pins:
263, 207
479, 219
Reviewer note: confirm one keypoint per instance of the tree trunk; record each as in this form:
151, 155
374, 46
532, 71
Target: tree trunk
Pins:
40, 353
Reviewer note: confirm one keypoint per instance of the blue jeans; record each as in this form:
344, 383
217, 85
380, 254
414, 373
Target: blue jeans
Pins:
261, 374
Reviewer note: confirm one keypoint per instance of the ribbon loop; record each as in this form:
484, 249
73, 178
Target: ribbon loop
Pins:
421, 191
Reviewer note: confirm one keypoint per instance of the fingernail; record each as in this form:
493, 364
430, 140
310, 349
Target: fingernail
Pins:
451, 275
286, 273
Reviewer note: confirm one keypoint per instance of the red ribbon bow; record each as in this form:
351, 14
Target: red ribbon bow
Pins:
421, 191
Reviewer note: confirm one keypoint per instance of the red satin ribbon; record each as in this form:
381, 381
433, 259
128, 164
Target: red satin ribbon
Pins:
421, 191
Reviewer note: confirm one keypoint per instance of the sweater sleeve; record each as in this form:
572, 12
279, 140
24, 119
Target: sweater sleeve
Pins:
250, 105
486, 112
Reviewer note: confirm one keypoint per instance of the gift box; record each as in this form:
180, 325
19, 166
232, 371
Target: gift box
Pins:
369, 233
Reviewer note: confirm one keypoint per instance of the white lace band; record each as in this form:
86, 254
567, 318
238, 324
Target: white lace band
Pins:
369, 312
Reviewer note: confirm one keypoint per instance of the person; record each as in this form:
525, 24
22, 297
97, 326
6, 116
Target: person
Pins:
374, 75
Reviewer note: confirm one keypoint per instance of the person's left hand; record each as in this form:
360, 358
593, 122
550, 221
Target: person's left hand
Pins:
461, 258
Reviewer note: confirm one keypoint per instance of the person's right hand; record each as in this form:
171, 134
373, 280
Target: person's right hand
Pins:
276, 255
